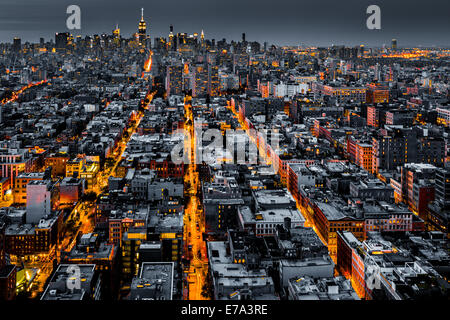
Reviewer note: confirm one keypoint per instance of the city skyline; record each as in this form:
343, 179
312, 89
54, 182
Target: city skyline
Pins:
147, 157
305, 23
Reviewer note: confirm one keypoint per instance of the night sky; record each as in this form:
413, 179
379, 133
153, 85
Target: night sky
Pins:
282, 22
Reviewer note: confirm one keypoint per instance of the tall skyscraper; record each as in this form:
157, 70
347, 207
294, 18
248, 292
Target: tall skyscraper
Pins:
361, 51
213, 80
61, 40
174, 79
17, 44
116, 32
394, 44
199, 80
142, 29
171, 40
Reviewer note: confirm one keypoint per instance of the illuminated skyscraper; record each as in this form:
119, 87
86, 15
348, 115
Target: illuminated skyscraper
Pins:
394, 44
199, 78
142, 29
202, 39
213, 80
116, 32
174, 79
171, 41
361, 51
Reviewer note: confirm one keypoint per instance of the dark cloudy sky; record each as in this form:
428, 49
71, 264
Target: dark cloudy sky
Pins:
308, 22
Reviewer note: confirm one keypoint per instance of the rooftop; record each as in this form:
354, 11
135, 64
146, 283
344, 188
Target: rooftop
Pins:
58, 288
155, 282
307, 288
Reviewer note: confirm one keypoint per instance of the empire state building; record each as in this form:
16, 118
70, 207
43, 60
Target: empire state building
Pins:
142, 29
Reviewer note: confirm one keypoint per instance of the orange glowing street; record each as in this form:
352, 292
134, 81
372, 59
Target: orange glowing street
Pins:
195, 246
157, 154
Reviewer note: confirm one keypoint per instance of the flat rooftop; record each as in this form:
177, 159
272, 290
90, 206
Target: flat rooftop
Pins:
57, 288
155, 282
307, 288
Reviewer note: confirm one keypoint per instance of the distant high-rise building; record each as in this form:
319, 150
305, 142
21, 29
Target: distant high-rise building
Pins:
171, 44
17, 44
202, 39
243, 37
361, 50
142, 29
160, 43
116, 32
394, 44
61, 40
181, 39
199, 80
174, 80
213, 80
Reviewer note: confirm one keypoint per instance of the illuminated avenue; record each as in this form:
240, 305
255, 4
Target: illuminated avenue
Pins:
179, 167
